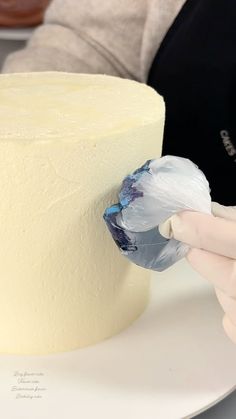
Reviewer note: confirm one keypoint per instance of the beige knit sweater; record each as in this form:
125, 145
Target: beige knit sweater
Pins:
116, 37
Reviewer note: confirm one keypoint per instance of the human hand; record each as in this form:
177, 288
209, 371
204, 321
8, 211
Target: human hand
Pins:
213, 252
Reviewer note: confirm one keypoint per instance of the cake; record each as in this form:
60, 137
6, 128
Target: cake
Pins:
16, 13
66, 142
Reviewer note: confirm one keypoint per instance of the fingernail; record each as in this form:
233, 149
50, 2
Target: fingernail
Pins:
176, 224
165, 229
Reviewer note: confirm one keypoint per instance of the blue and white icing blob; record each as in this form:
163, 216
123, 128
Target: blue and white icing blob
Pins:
148, 197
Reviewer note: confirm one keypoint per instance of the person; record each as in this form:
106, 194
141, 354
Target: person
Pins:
186, 51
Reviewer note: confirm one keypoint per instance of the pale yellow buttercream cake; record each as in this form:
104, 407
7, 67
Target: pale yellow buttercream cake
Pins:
66, 143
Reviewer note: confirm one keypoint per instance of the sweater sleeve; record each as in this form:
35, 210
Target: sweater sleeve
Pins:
87, 37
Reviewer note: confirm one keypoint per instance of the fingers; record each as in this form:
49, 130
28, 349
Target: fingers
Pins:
223, 211
230, 328
228, 304
219, 270
206, 232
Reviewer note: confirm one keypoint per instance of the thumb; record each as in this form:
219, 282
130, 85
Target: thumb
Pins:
218, 210
202, 231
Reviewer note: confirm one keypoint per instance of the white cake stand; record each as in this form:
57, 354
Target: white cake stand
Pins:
172, 363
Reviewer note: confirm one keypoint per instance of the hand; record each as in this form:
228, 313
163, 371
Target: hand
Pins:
213, 252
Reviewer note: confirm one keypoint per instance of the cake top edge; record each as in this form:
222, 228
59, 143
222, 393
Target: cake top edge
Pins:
55, 76
50, 105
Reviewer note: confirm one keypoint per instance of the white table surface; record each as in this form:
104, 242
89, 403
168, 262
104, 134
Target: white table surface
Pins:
226, 409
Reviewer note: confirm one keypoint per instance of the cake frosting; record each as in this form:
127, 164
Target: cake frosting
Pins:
66, 142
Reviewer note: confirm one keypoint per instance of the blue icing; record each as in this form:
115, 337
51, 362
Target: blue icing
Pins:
124, 202
142, 248
129, 192
144, 168
127, 195
119, 235
115, 209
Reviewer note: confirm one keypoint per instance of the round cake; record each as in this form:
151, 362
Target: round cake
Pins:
66, 143
15, 13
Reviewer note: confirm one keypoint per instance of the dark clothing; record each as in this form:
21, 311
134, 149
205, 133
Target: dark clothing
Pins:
195, 71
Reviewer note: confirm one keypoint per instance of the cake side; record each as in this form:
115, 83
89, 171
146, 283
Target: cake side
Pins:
63, 282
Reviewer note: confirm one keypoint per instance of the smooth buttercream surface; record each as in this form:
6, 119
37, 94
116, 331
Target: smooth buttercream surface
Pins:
66, 142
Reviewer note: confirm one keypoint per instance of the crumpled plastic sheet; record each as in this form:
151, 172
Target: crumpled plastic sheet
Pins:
148, 197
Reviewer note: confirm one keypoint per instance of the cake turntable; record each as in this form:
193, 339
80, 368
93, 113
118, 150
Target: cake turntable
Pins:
173, 362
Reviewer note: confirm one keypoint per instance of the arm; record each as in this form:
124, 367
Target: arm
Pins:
116, 37
86, 36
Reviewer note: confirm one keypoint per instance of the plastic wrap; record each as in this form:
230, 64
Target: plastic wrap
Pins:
148, 197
